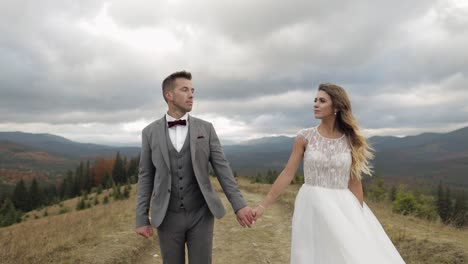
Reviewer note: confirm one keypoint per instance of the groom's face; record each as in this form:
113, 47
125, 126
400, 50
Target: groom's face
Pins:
181, 96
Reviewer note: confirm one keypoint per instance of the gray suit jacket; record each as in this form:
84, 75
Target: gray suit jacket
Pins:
154, 178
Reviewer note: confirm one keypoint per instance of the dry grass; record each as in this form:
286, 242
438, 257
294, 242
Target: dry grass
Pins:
104, 234
418, 241
101, 234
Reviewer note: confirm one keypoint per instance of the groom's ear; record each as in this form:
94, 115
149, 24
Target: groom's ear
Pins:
168, 95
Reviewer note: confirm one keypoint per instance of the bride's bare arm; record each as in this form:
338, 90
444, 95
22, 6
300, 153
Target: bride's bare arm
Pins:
285, 177
355, 186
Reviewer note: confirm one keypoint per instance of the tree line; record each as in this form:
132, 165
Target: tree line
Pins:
442, 204
86, 178
271, 175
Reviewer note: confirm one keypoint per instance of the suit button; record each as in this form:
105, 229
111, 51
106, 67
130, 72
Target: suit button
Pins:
180, 167
180, 178
181, 198
168, 190
181, 188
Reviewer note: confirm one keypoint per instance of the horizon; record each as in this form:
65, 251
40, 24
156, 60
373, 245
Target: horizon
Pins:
223, 142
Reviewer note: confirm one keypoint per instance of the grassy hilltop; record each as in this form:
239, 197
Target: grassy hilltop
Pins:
104, 234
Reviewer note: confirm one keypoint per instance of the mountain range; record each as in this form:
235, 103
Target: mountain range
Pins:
46, 157
429, 156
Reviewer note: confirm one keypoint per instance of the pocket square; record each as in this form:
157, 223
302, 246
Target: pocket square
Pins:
200, 136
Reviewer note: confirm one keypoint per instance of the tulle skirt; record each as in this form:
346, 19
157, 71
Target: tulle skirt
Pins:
331, 227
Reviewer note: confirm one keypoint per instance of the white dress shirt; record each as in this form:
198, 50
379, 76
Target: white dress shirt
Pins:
178, 133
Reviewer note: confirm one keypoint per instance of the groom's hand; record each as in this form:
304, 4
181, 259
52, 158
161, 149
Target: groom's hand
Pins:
146, 231
245, 216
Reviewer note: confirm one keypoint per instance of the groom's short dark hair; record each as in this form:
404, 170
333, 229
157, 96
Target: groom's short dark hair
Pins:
168, 83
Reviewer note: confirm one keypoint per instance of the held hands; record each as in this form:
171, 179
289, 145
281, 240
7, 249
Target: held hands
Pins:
245, 217
145, 231
259, 211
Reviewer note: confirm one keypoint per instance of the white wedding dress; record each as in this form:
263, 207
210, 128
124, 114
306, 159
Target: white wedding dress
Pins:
329, 224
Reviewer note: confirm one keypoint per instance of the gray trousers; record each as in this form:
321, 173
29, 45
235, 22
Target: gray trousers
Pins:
194, 228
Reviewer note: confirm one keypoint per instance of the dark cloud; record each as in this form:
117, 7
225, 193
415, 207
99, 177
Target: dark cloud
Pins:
255, 63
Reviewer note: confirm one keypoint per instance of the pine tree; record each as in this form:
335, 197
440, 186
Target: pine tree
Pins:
132, 171
136, 168
460, 211
35, 195
78, 180
116, 193
269, 176
8, 214
393, 193
127, 190
81, 204
91, 179
50, 194
259, 177
441, 208
125, 166
118, 171
449, 206
68, 184
3, 197
109, 182
405, 203
99, 189
20, 197
377, 190
87, 184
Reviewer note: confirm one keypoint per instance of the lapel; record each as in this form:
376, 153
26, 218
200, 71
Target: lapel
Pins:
193, 130
162, 135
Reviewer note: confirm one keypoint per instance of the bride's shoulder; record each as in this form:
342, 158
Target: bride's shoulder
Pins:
306, 133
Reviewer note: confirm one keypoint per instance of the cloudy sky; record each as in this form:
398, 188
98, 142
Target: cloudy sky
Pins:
92, 70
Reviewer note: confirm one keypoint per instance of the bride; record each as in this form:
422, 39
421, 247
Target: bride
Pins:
331, 223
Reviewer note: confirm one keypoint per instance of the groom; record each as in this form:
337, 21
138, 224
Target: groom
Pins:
173, 178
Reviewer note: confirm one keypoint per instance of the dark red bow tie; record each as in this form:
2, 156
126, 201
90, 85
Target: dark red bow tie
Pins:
181, 122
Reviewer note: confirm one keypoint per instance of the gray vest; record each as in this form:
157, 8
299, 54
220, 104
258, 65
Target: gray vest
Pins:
185, 192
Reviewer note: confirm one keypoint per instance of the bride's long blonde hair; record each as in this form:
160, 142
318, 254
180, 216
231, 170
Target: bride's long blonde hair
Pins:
361, 151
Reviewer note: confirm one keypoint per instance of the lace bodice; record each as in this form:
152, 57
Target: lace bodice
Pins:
327, 161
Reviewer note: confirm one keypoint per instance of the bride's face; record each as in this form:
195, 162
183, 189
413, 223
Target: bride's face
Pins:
323, 105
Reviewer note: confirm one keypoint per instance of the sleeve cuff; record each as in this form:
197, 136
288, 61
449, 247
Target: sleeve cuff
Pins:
142, 221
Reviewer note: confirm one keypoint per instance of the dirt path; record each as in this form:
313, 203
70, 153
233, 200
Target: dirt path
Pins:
268, 242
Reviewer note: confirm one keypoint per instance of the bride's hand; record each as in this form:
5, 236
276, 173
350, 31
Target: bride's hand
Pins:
259, 211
